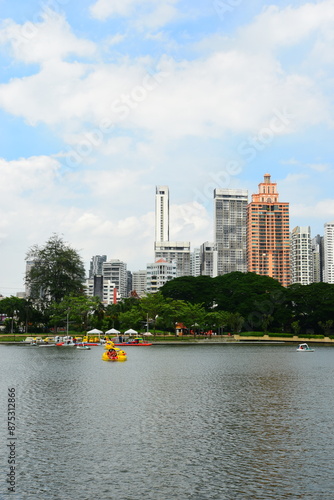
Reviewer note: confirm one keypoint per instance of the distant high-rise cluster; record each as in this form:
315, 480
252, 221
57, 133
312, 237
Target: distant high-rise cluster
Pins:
248, 237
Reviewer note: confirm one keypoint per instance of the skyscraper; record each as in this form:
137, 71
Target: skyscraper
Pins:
161, 213
195, 262
317, 244
115, 272
175, 251
301, 256
158, 273
139, 279
329, 252
209, 259
96, 263
268, 234
231, 229
171, 251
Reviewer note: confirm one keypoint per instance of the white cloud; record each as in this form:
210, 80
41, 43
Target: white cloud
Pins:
114, 39
103, 9
322, 210
133, 122
22, 176
279, 27
44, 41
190, 222
146, 13
223, 90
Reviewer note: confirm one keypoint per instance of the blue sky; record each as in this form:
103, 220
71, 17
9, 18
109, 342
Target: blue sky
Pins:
100, 101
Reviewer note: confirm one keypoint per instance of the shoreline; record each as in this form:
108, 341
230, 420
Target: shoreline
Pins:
265, 340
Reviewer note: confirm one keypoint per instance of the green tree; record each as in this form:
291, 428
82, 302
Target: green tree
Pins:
236, 321
57, 271
131, 319
153, 306
326, 326
15, 309
80, 311
295, 327
195, 290
310, 304
267, 319
192, 316
217, 320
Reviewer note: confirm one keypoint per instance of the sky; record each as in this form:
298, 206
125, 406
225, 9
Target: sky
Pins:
103, 100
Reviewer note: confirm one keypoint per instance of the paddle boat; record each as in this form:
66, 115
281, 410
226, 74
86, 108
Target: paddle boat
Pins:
83, 347
109, 344
304, 348
91, 341
114, 354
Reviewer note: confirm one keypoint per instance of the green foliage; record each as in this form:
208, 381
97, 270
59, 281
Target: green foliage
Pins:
310, 304
57, 271
233, 302
131, 319
258, 299
295, 327
19, 312
80, 311
327, 326
236, 322
190, 289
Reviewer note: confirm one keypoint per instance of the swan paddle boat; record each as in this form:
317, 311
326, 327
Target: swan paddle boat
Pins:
304, 348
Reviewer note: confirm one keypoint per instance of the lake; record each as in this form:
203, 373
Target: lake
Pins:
224, 421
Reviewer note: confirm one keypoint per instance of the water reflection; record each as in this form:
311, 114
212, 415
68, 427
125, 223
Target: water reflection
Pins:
194, 422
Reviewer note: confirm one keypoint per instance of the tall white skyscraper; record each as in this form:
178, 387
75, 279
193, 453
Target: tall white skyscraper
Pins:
162, 213
301, 256
171, 251
329, 252
231, 229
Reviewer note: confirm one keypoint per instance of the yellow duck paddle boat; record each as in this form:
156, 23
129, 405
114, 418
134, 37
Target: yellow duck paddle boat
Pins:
114, 354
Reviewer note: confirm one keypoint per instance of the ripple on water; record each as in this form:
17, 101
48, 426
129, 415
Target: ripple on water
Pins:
209, 422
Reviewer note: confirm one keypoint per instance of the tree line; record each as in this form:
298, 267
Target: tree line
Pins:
233, 302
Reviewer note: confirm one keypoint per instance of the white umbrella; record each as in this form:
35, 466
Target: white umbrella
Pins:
113, 330
131, 332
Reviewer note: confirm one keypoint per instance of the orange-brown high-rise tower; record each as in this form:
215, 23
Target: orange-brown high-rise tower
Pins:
268, 234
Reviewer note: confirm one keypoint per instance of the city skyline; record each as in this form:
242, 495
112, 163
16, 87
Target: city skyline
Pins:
101, 102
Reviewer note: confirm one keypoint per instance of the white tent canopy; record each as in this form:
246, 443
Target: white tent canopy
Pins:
113, 330
95, 330
131, 332
148, 334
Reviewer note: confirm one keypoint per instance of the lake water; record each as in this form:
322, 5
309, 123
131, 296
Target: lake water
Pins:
200, 422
